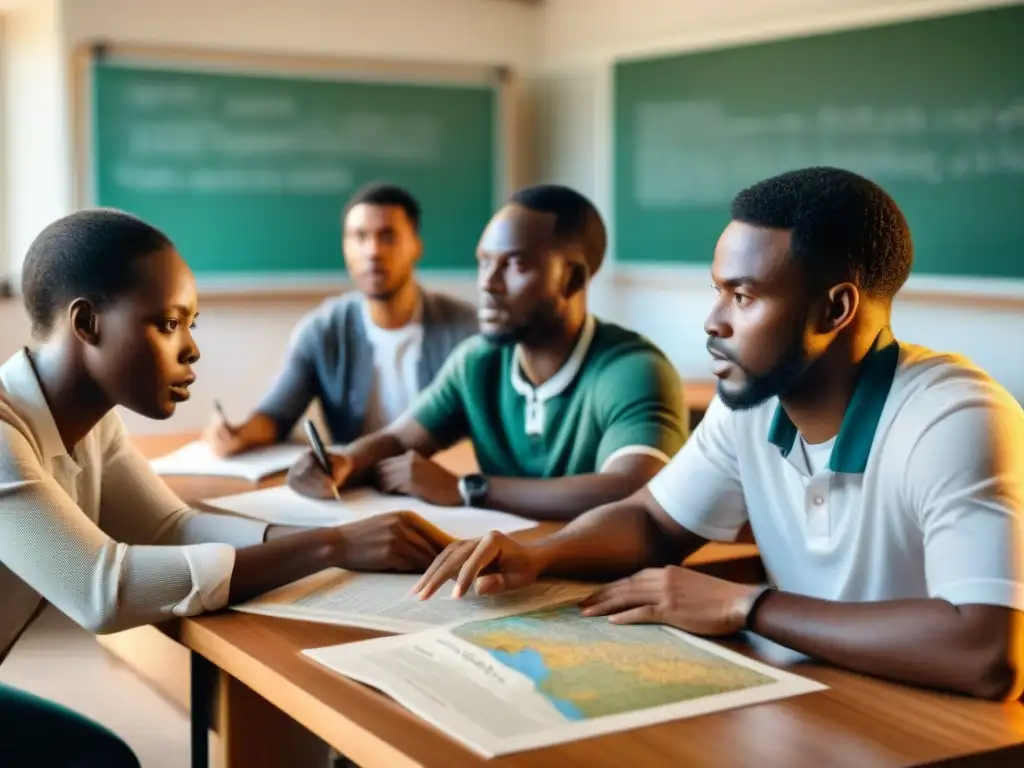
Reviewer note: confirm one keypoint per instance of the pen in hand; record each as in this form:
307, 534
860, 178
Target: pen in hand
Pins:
320, 454
223, 416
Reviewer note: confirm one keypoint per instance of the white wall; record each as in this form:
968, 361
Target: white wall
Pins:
37, 135
580, 40
4, 258
478, 31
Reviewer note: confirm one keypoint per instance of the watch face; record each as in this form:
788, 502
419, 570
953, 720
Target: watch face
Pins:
475, 483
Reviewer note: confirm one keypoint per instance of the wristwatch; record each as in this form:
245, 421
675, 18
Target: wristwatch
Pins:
473, 489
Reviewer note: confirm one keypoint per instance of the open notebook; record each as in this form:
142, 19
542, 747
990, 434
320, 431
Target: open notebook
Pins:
197, 458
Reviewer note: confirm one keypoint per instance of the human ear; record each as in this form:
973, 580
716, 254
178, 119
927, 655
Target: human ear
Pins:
841, 304
85, 321
577, 275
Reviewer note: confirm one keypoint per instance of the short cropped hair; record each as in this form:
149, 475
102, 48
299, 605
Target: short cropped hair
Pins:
88, 254
577, 221
844, 227
387, 195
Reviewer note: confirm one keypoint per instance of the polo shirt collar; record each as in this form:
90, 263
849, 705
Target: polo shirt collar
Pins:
863, 413
558, 383
25, 394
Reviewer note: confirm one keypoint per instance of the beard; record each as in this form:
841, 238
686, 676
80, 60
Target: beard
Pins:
533, 330
758, 388
389, 292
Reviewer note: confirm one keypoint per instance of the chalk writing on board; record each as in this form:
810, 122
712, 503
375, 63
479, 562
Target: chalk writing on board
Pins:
698, 154
257, 143
366, 136
220, 180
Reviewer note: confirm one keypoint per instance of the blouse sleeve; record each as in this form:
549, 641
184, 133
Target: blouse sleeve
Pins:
137, 506
112, 577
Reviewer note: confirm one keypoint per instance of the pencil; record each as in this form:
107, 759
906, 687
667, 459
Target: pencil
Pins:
220, 412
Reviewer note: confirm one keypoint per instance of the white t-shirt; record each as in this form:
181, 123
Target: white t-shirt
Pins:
921, 493
95, 532
396, 358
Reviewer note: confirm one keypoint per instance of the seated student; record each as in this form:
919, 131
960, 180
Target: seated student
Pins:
884, 482
564, 411
85, 524
364, 355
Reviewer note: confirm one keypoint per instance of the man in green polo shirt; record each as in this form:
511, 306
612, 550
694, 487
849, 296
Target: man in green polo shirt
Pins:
564, 411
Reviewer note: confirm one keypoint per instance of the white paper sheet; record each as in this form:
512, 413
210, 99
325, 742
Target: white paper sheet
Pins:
523, 682
197, 458
382, 601
283, 506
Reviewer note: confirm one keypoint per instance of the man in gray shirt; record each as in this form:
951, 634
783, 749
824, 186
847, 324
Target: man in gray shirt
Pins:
366, 354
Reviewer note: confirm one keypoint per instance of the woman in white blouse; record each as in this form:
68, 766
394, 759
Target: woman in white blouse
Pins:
85, 525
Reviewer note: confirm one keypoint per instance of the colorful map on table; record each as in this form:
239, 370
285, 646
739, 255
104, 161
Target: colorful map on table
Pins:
588, 667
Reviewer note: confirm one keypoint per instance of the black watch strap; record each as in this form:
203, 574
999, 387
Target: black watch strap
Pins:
473, 489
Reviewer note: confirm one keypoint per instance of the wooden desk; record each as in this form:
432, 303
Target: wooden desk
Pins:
858, 722
267, 690
164, 664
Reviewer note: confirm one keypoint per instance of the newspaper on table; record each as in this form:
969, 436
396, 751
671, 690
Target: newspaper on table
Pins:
506, 684
382, 601
283, 506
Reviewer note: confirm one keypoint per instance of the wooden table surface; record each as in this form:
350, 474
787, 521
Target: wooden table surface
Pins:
858, 722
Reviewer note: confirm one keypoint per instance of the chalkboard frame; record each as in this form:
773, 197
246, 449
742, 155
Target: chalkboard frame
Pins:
927, 288
509, 171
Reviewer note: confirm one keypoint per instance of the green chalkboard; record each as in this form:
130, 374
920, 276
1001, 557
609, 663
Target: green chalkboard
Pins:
249, 174
933, 110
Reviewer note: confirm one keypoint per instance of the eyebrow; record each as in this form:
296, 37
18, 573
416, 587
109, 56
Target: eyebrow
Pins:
183, 309
743, 281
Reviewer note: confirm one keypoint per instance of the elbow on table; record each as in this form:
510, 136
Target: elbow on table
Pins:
103, 624
105, 621
1000, 677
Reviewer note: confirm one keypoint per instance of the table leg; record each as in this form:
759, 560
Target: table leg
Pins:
253, 733
203, 679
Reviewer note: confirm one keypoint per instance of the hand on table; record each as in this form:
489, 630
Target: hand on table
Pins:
397, 541
689, 600
413, 475
494, 564
224, 439
307, 478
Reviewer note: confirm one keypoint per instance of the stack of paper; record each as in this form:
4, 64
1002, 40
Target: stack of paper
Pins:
198, 458
283, 506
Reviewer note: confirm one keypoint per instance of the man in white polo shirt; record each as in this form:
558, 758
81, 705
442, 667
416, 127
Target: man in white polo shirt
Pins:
884, 482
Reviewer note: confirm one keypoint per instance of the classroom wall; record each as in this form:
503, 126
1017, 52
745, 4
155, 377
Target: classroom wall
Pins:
579, 40
242, 342
564, 48
3, 144
479, 31
36, 134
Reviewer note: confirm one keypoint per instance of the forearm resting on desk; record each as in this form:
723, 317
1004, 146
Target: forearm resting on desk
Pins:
259, 429
559, 499
614, 541
283, 559
367, 452
256, 431
972, 649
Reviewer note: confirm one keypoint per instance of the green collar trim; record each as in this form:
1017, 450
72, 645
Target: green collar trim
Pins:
860, 422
